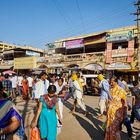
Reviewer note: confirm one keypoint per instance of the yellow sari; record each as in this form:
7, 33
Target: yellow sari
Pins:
115, 113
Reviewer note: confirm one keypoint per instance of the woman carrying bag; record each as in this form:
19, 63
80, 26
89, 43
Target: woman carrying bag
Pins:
46, 115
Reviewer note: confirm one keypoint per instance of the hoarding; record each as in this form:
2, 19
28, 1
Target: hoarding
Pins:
32, 53
119, 66
78, 43
119, 53
120, 36
25, 63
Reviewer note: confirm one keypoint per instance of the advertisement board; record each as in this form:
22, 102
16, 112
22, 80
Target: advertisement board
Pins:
120, 36
32, 53
77, 43
119, 66
25, 63
119, 52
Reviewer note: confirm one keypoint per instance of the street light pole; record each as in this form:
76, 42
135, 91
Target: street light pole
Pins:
138, 27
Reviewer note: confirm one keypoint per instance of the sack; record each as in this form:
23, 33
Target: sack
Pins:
35, 134
137, 112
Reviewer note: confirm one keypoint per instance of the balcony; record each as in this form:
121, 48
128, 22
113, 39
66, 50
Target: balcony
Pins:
86, 57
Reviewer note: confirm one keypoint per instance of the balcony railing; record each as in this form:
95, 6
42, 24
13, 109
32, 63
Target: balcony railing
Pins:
87, 57
96, 56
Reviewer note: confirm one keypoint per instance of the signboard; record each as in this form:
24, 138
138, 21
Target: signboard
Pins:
55, 65
58, 44
119, 52
109, 53
120, 36
51, 51
25, 63
78, 43
119, 66
31, 53
130, 51
119, 59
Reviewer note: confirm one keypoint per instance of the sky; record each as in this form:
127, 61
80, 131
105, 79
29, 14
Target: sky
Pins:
38, 22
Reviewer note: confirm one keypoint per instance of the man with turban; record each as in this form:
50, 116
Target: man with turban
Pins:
78, 94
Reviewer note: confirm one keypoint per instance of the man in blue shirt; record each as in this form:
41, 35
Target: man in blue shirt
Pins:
103, 101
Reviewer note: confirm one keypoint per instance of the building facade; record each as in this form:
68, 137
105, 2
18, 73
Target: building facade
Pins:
112, 50
9, 52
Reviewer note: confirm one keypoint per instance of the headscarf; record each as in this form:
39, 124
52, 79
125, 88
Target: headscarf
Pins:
74, 77
100, 77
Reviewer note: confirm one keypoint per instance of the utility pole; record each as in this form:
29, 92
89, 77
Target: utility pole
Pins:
138, 27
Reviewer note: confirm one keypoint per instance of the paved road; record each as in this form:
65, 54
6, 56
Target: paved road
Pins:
77, 127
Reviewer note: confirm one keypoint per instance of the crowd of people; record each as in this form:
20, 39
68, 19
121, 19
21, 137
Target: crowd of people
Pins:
51, 91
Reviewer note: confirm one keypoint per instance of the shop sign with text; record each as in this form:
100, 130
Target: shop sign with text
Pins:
25, 63
120, 36
78, 43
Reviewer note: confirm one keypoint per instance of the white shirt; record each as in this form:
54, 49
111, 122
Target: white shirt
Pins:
40, 89
47, 84
30, 81
14, 81
78, 92
20, 78
58, 88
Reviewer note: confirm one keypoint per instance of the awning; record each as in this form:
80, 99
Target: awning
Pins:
93, 67
2, 67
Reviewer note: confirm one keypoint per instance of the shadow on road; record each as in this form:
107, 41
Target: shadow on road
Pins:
91, 124
92, 111
93, 132
94, 128
27, 110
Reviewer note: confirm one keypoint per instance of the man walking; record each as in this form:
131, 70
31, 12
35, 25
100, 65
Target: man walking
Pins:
41, 86
78, 94
104, 86
30, 82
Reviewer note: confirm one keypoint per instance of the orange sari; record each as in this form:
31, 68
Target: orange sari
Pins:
115, 114
25, 89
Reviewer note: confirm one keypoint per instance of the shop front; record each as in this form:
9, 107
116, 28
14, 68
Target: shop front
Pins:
121, 55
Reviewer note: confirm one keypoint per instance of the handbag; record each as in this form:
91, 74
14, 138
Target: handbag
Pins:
35, 134
137, 112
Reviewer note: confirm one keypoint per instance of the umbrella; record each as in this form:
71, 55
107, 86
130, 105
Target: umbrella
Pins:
9, 72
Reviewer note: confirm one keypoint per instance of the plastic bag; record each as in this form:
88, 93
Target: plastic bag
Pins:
35, 134
59, 127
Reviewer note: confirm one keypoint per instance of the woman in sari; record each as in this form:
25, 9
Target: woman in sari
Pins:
25, 88
46, 115
117, 108
11, 124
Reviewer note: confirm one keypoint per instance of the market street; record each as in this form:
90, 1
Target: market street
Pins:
76, 127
